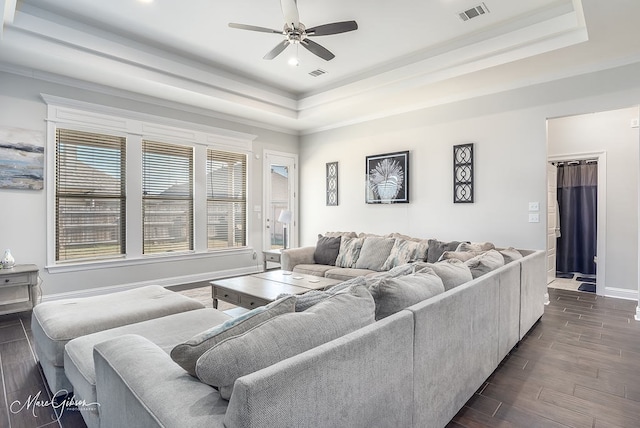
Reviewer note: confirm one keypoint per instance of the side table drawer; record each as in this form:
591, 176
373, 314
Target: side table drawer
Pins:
17, 279
270, 257
226, 295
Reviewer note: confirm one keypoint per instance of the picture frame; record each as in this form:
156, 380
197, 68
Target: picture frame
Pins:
332, 184
387, 178
463, 184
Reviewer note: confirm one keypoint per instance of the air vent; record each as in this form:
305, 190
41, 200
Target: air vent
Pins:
318, 72
474, 12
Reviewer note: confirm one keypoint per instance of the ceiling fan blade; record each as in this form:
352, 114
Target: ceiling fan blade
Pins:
277, 50
316, 49
333, 28
253, 28
290, 13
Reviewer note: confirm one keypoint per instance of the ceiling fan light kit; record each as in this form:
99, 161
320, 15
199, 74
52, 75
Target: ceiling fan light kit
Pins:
296, 33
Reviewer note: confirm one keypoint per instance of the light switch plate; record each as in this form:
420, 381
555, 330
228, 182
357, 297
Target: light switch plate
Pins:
534, 206
534, 218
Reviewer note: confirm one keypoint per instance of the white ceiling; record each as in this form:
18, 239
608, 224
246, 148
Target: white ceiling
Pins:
404, 55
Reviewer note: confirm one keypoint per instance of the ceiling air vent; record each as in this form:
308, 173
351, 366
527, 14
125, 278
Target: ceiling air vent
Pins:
318, 72
474, 12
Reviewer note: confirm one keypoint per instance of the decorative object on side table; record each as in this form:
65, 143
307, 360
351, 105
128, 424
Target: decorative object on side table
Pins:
387, 178
463, 173
332, 184
285, 219
7, 260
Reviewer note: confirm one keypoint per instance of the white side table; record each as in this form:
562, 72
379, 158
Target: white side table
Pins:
270, 256
18, 288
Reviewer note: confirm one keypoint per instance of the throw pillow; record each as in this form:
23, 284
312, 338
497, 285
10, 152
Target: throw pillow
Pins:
436, 248
313, 297
475, 246
374, 252
326, 250
341, 234
423, 245
485, 263
459, 255
349, 252
452, 272
402, 252
282, 337
510, 254
394, 294
186, 354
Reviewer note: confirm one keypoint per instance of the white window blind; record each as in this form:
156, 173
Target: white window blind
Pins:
167, 197
226, 199
90, 195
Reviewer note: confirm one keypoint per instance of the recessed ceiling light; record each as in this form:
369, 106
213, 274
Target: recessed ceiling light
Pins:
145, 1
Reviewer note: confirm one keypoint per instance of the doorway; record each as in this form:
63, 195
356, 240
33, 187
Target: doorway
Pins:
280, 205
576, 219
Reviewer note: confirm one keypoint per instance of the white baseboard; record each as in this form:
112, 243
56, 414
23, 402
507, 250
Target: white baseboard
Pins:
621, 293
165, 282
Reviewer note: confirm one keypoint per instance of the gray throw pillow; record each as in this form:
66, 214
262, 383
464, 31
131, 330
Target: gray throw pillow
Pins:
452, 272
186, 354
436, 248
374, 252
463, 256
394, 294
326, 250
282, 337
313, 297
349, 252
475, 246
485, 263
510, 254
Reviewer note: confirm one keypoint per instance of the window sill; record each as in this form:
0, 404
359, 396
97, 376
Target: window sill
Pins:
144, 260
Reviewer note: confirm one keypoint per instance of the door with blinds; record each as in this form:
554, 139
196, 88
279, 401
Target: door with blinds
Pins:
280, 184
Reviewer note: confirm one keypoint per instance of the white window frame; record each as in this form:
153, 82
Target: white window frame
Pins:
136, 126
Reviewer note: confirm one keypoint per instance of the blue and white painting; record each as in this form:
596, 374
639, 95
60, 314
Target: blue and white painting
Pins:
21, 159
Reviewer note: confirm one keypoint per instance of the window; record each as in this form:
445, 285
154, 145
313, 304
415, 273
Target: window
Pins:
226, 199
90, 203
167, 196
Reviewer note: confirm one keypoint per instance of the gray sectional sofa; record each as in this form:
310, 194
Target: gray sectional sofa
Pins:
332, 365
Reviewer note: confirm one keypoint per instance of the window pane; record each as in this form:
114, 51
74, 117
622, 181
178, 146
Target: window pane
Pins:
226, 199
167, 185
90, 195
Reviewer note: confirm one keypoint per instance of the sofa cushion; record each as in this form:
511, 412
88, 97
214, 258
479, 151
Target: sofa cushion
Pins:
485, 263
475, 246
510, 254
436, 248
326, 250
346, 273
423, 245
349, 252
187, 353
403, 252
285, 336
395, 294
463, 256
374, 252
452, 272
312, 269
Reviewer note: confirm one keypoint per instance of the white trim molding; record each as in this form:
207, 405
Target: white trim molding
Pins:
621, 293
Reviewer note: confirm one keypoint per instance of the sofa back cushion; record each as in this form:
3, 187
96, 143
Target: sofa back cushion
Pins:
186, 354
436, 248
326, 250
285, 336
349, 252
374, 252
510, 254
452, 272
395, 294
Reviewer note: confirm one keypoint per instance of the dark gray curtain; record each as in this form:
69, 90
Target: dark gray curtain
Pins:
577, 202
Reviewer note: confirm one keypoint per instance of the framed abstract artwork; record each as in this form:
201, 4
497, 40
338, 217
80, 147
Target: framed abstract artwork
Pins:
463, 173
21, 159
387, 178
332, 184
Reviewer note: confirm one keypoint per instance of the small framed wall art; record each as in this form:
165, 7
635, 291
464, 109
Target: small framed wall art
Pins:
332, 184
463, 173
387, 178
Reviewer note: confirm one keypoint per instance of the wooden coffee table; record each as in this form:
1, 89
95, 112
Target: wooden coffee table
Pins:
251, 291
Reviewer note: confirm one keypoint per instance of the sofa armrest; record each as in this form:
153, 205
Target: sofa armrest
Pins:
138, 384
297, 256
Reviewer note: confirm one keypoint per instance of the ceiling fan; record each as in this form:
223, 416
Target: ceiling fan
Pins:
296, 33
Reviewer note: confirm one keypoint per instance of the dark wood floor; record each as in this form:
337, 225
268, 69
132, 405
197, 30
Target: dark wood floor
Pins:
578, 367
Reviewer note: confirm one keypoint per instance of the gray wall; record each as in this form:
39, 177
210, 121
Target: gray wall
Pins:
23, 214
509, 130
